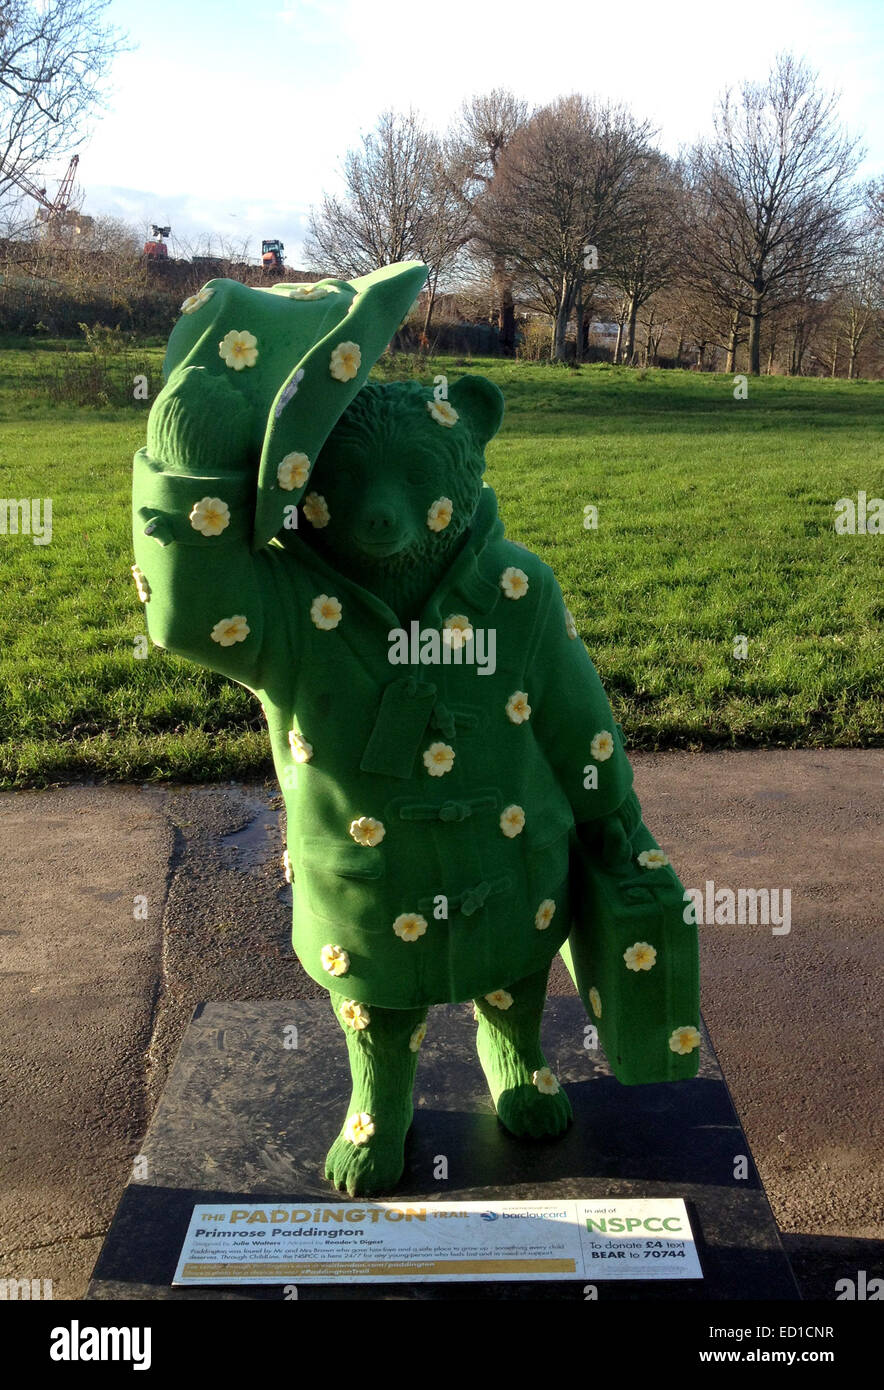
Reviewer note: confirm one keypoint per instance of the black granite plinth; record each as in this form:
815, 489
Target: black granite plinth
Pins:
245, 1117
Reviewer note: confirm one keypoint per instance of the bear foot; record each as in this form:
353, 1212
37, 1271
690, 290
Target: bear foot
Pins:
529, 1113
526, 1095
369, 1168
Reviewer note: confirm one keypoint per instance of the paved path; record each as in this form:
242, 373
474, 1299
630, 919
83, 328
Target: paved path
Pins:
94, 999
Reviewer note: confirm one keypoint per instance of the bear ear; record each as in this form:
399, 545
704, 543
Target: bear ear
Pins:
481, 405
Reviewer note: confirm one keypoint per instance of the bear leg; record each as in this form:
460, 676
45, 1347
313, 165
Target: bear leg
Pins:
528, 1098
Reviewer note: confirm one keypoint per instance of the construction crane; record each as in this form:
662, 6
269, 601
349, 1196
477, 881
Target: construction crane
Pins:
57, 214
157, 250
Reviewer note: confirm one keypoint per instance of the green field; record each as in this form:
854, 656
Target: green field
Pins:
715, 519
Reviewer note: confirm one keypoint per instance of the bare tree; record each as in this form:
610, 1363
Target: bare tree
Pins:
54, 57
644, 257
775, 190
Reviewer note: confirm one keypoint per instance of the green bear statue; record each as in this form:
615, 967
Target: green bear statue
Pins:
459, 804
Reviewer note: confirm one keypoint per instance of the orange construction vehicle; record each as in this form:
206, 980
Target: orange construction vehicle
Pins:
271, 254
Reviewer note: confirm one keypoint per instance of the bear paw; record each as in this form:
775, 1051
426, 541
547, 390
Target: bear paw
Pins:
527, 1112
366, 1169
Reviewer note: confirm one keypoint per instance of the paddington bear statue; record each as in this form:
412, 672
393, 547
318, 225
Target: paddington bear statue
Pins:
459, 805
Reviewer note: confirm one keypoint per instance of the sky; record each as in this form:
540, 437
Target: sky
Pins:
230, 119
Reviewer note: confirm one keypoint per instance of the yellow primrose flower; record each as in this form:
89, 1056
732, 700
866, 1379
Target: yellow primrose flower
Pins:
354, 1015
653, 859
293, 471
367, 831
517, 707
315, 509
570, 625
141, 584
595, 1000
438, 759
641, 956
302, 751
325, 610
602, 746
443, 413
512, 821
309, 291
239, 349
335, 960
457, 630
345, 361
439, 514
210, 516
410, 925
417, 1037
544, 914
359, 1128
499, 999
230, 630
684, 1040
514, 582
545, 1082
196, 301
287, 866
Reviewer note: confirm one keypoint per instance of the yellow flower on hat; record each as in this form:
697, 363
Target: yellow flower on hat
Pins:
210, 516
438, 759
545, 1082
302, 751
417, 1037
440, 513
570, 625
196, 301
230, 630
359, 1128
286, 866
544, 914
325, 610
595, 1000
512, 821
309, 291
293, 471
239, 349
514, 582
641, 956
684, 1040
602, 746
499, 999
443, 413
141, 584
355, 1015
409, 926
335, 960
367, 831
345, 361
517, 707
653, 859
457, 630
315, 509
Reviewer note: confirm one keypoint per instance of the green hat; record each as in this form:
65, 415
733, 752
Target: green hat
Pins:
299, 354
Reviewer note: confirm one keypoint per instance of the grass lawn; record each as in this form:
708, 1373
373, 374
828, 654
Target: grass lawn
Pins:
715, 518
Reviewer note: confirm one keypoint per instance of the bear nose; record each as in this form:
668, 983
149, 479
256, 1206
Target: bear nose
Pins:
380, 522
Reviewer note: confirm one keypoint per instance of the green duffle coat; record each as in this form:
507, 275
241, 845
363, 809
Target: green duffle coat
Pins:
443, 906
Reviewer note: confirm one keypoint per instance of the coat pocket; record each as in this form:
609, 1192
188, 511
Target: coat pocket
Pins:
341, 882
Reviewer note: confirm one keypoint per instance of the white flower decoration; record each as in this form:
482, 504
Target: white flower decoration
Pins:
499, 999
196, 301
315, 509
440, 513
514, 582
367, 831
570, 625
595, 1000
289, 391
141, 585
359, 1128
652, 859
512, 821
287, 866
239, 349
309, 291
602, 746
438, 759
293, 471
302, 751
325, 610
408, 926
684, 1040
417, 1037
443, 413
457, 630
335, 960
641, 956
230, 630
354, 1015
545, 1082
517, 707
345, 361
544, 914
211, 516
